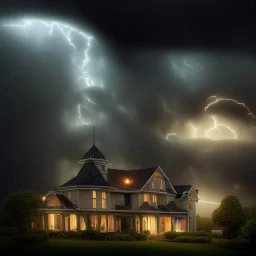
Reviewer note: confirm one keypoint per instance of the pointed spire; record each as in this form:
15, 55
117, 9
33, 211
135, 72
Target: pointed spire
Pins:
93, 135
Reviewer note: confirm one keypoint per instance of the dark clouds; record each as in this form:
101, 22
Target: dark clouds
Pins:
40, 146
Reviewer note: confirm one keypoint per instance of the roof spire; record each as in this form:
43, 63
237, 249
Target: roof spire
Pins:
93, 135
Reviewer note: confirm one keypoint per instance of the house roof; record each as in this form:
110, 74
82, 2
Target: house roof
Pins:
138, 178
94, 153
147, 207
65, 202
88, 175
170, 207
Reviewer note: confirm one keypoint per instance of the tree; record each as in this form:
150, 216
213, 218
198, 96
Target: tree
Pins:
250, 212
18, 209
229, 216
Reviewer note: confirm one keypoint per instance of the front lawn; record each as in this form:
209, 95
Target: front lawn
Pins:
150, 247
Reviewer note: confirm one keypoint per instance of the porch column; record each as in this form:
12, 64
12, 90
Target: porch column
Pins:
135, 223
141, 226
68, 222
63, 222
78, 222
46, 221
157, 225
115, 222
106, 223
173, 224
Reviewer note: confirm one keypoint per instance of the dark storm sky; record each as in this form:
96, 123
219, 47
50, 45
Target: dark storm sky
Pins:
38, 151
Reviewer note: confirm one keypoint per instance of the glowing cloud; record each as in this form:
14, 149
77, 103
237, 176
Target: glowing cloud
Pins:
81, 45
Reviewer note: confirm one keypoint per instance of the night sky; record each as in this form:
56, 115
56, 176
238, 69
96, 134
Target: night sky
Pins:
147, 71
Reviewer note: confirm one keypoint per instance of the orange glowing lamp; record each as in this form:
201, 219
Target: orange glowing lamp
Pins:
127, 181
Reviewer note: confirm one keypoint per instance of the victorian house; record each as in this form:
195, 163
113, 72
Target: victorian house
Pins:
104, 198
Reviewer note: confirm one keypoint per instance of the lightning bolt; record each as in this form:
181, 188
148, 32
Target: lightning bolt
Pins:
215, 126
84, 75
249, 112
80, 116
207, 202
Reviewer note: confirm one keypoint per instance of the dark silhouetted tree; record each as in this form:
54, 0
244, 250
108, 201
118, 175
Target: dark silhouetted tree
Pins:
18, 209
229, 216
250, 212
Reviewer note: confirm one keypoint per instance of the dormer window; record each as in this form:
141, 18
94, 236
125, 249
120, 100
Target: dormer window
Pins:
153, 184
154, 199
94, 199
103, 199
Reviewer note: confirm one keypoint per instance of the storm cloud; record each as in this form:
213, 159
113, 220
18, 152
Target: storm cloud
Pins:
139, 96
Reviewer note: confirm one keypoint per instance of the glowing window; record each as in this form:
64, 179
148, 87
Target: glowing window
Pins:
94, 199
104, 201
146, 197
153, 184
154, 198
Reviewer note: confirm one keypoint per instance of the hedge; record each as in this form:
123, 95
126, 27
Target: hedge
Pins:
193, 239
8, 231
172, 235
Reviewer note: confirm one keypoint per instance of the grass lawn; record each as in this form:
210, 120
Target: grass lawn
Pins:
150, 247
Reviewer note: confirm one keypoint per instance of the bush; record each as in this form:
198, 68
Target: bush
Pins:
72, 234
53, 234
172, 235
147, 232
216, 235
119, 237
91, 234
8, 231
193, 239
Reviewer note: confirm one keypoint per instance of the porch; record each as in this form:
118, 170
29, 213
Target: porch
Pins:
106, 222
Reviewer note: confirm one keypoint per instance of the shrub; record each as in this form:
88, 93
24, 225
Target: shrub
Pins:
147, 232
119, 237
72, 234
216, 235
193, 239
53, 234
172, 235
90, 234
8, 231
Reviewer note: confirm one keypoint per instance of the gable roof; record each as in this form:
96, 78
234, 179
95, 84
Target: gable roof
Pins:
65, 202
147, 207
170, 207
88, 175
139, 177
94, 153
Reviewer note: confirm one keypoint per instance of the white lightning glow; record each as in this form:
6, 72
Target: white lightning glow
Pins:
170, 134
217, 100
194, 130
80, 116
207, 202
81, 52
216, 126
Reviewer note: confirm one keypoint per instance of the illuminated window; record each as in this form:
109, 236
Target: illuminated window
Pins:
146, 197
154, 198
153, 184
94, 201
104, 201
